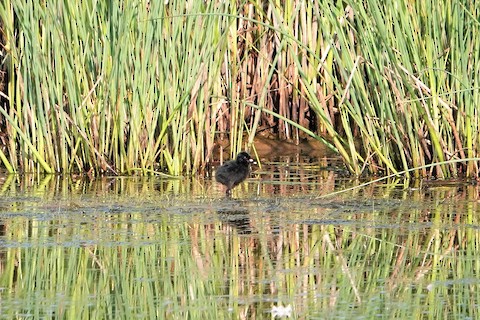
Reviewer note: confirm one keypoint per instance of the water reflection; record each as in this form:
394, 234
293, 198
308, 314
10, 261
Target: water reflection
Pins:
237, 218
178, 248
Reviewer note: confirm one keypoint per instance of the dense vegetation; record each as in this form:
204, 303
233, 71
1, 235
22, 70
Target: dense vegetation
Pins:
144, 86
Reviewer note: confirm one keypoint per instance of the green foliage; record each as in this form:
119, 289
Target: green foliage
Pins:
112, 86
144, 86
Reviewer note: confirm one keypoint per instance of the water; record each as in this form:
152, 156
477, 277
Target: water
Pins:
130, 247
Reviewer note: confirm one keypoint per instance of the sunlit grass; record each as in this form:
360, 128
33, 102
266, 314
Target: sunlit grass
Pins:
113, 88
143, 87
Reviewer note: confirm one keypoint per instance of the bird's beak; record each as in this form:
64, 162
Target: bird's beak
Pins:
252, 161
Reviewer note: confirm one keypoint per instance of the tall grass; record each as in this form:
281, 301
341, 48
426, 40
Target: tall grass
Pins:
112, 87
142, 86
388, 84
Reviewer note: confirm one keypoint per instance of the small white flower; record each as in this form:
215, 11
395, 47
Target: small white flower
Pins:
281, 311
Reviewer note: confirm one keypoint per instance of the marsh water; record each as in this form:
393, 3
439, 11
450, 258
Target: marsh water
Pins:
283, 246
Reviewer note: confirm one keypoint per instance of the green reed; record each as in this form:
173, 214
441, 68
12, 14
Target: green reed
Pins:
148, 87
386, 79
112, 87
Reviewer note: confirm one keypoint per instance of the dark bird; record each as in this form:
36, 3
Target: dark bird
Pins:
234, 172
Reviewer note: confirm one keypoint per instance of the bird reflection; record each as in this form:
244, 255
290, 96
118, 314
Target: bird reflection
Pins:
237, 218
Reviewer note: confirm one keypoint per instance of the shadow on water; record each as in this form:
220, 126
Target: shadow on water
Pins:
131, 247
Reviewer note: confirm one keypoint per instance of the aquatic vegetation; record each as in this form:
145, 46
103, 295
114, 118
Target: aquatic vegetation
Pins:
148, 87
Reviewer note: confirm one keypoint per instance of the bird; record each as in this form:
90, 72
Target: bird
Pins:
233, 172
